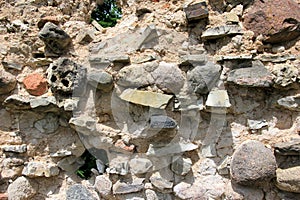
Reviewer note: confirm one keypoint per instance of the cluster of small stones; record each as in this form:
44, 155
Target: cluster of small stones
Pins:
180, 100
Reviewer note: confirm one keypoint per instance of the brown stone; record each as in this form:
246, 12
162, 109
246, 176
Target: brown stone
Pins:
44, 20
35, 84
7, 82
196, 11
3, 196
277, 20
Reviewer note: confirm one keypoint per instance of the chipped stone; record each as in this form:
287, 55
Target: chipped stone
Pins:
159, 182
140, 165
181, 166
15, 148
103, 185
218, 99
49, 124
257, 124
221, 31
162, 122
288, 179
196, 11
125, 188
40, 169
171, 148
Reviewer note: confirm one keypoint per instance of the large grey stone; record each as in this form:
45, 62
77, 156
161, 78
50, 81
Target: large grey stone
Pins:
146, 98
252, 164
49, 124
103, 185
100, 79
251, 76
79, 192
162, 122
289, 148
22, 189
57, 41
140, 165
221, 31
181, 166
203, 78
288, 179
7, 82
168, 77
67, 77
125, 188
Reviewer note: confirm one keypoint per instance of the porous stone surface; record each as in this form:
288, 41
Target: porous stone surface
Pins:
78, 192
22, 189
252, 163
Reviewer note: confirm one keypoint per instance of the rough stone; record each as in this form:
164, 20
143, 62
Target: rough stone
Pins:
35, 84
196, 11
7, 82
263, 17
257, 124
85, 36
146, 98
203, 78
162, 122
181, 166
17, 102
57, 41
286, 74
70, 104
70, 164
15, 148
100, 80
221, 31
140, 165
288, 179
171, 148
289, 148
195, 59
277, 58
125, 188
159, 182
49, 124
3, 196
251, 76
67, 77
40, 169
44, 20
168, 77
22, 189
252, 163
42, 101
79, 192
103, 185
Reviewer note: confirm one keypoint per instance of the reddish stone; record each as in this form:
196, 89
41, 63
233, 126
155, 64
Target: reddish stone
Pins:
44, 20
123, 146
35, 84
277, 20
3, 196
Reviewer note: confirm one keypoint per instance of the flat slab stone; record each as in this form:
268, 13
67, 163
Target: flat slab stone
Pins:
171, 148
288, 179
162, 122
290, 102
290, 148
218, 98
196, 11
221, 31
146, 98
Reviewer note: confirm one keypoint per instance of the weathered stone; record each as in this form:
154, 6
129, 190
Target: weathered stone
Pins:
181, 166
7, 82
40, 169
119, 165
100, 166
15, 148
251, 76
275, 58
239, 192
79, 192
231, 18
3, 196
252, 163
286, 74
171, 148
61, 153
140, 165
237, 2
11, 168
42, 101
218, 99
101, 80
221, 31
159, 182
57, 41
22, 189
67, 77
125, 188
49, 124
223, 168
277, 25
290, 148
162, 122
257, 124
203, 78
196, 11
196, 59
70, 164
35, 84
17, 102
146, 98
85, 36
70, 104
103, 185
288, 179
104, 59
168, 77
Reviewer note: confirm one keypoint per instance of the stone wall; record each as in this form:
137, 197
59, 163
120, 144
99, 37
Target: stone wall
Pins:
180, 100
